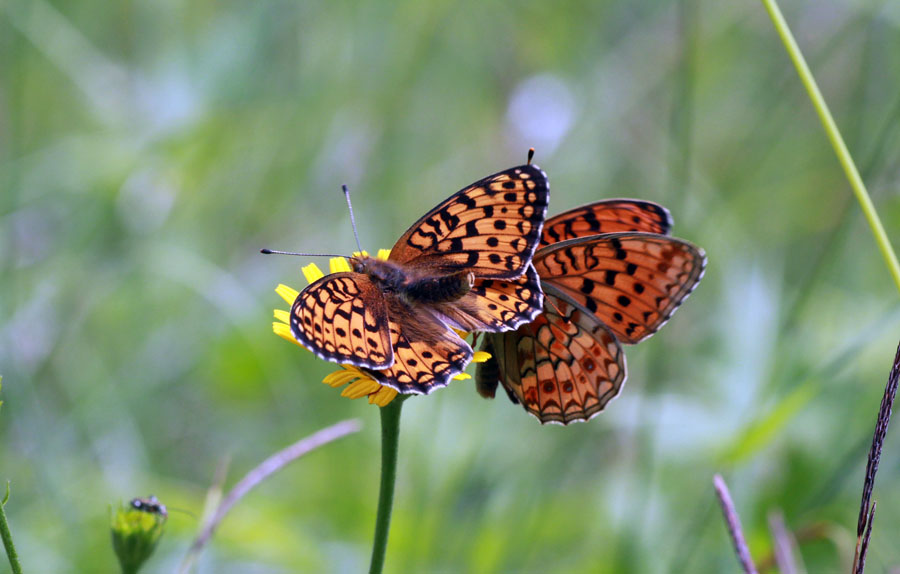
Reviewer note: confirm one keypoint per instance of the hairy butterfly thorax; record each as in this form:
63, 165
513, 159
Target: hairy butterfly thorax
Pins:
413, 286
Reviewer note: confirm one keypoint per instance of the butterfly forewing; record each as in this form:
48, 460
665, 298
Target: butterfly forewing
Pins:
490, 228
343, 318
426, 353
563, 367
632, 282
607, 216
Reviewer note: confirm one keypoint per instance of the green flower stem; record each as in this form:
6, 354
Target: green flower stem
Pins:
837, 142
7, 537
390, 439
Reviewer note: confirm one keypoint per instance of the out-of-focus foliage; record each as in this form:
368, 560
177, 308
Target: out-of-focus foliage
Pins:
149, 149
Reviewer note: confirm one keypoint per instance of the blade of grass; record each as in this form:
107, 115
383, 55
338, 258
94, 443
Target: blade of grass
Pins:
784, 544
837, 142
7, 537
733, 522
255, 477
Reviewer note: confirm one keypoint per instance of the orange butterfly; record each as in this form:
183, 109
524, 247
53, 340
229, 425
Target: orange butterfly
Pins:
464, 265
610, 275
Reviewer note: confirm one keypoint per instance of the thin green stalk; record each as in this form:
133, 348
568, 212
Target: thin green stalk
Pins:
7, 537
390, 442
837, 142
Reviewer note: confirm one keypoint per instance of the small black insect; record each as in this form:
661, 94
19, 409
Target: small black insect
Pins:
150, 504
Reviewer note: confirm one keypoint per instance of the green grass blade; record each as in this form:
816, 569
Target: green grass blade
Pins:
837, 142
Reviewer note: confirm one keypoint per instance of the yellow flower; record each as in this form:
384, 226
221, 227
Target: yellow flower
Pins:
359, 383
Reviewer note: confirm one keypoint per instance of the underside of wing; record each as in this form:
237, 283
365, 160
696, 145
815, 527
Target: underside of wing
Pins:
607, 216
563, 367
490, 228
342, 318
427, 353
495, 304
632, 282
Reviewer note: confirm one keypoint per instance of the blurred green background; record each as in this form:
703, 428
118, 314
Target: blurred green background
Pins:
150, 148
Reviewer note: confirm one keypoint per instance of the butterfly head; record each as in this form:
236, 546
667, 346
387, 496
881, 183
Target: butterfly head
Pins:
362, 263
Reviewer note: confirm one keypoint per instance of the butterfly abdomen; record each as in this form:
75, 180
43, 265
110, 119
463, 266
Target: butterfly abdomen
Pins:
487, 374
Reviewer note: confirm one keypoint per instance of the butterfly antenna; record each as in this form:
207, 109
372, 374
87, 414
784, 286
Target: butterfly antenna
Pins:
183, 511
565, 317
530, 155
274, 252
352, 218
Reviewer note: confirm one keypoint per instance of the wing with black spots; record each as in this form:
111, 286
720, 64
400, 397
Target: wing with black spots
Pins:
607, 216
563, 367
632, 282
342, 318
490, 228
427, 354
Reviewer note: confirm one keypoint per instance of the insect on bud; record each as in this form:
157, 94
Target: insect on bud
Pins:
136, 528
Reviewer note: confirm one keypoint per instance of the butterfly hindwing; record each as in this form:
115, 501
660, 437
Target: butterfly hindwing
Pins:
427, 354
342, 317
607, 216
632, 282
563, 367
496, 304
490, 228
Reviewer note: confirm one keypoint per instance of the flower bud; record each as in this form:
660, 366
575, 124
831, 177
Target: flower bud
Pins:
136, 529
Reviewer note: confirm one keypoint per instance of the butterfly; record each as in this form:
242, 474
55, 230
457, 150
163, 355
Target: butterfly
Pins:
464, 265
610, 275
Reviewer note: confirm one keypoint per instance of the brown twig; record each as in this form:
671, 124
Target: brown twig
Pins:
253, 478
864, 549
881, 426
734, 525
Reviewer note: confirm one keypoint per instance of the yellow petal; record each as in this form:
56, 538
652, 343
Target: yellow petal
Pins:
462, 377
338, 264
480, 356
284, 331
360, 388
283, 316
383, 397
341, 377
462, 334
361, 253
383, 254
287, 293
312, 273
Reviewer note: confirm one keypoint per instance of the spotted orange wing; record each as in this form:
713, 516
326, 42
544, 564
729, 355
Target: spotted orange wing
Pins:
343, 318
632, 282
427, 355
490, 228
607, 216
563, 367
